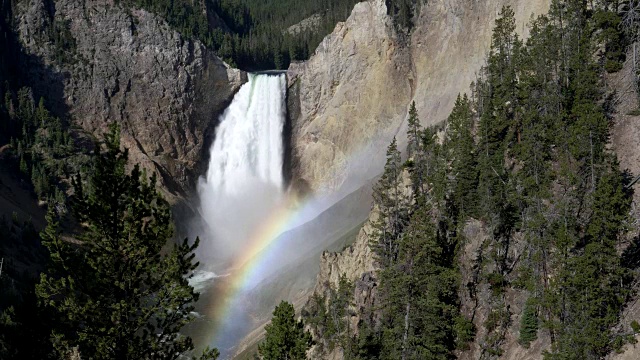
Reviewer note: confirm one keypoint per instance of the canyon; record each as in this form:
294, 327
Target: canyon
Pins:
345, 104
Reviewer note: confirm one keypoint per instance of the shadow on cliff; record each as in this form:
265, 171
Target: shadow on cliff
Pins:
293, 112
18, 69
46, 80
47, 83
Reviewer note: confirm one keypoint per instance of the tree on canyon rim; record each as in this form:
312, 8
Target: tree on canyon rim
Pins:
115, 293
285, 337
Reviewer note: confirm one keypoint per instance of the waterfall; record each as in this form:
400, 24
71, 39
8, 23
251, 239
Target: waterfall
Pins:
245, 176
248, 144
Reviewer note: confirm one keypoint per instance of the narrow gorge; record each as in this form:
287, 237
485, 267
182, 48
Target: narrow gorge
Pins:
497, 139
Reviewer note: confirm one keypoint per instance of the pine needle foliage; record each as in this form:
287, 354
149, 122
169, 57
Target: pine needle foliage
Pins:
117, 294
285, 337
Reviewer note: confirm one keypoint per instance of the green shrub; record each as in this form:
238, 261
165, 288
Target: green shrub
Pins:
465, 332
612, 66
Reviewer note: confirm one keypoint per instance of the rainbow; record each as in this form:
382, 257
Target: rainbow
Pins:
261, 250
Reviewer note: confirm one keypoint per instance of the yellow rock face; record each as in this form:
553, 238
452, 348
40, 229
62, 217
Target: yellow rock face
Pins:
353, 95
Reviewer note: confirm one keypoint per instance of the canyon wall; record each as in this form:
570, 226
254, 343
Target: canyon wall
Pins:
350, 92
128, 66
449, 45
447, 48
348, 99
352, 96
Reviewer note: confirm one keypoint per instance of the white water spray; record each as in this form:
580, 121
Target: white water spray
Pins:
245, 177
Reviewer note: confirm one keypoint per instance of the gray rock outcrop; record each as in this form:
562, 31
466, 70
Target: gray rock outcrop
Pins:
129, 66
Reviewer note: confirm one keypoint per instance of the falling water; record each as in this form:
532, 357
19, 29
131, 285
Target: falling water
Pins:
248, 145
245, 177
243, 184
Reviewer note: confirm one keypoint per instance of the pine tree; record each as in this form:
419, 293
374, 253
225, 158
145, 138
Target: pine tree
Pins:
528, 324
607, 20
393, 208
23, 165
419, 295
285, 337
460, 144
497, 129
417, 154
414, 148
594, 284
414, 131
117, 294
369, 343
41, 115
7, 326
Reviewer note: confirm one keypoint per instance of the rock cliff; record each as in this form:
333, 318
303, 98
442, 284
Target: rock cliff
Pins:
449, 45
446, 49
352, 96
349, 95
128, 66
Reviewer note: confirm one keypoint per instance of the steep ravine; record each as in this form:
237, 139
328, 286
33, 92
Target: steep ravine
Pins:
345, 103
352, 97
